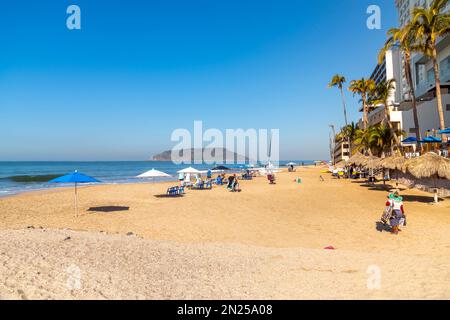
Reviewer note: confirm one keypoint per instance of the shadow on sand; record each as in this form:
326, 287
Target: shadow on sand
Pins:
422, 199
108, 209
161, 196
382, 227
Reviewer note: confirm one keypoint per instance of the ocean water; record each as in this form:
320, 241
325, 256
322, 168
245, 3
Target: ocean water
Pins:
17, 177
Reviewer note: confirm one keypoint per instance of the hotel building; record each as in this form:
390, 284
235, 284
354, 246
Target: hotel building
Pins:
423, 79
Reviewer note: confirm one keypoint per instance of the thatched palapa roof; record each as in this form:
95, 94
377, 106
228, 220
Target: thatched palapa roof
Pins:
374, 162
394, 163
356, 159
428, 165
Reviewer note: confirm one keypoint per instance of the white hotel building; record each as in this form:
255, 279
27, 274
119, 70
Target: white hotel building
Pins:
423, 78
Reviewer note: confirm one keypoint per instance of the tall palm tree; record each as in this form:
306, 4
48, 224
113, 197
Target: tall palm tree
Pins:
405, 39
338, 81
383, 94
430, 24
363, 87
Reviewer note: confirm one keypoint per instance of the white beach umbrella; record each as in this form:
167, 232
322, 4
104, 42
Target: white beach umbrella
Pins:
291, 164
154, 174
190, 170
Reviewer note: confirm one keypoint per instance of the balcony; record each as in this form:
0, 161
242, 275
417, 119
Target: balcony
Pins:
423, 87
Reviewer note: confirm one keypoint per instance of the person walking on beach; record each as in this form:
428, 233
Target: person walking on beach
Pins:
398, 217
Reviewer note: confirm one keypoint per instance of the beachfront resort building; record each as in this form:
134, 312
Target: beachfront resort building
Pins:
341, 150
390, 68
423, 78
400, 103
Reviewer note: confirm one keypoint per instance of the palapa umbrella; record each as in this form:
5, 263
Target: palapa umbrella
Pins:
75, 177
364, 161
355, 159
340, 164
394, 163
373, 162
430, 165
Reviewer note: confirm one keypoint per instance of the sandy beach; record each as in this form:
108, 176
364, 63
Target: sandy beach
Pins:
265, 242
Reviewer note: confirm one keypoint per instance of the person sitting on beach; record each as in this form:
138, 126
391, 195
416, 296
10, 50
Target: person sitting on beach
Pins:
398, 217
230, 182
235, 186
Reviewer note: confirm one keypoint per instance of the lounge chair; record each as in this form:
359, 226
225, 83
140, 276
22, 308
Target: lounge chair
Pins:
247, 176
175, 191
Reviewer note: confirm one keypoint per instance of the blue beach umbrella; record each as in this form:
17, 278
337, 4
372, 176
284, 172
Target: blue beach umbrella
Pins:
410, 140
445, 131
75, 178
431, 140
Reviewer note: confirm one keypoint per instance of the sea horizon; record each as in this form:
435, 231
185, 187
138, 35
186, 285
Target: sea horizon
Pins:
23, 176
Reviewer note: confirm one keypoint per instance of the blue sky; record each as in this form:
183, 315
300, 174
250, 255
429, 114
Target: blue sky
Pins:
137, 70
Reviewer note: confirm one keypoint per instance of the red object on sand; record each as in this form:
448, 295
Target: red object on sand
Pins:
330, 248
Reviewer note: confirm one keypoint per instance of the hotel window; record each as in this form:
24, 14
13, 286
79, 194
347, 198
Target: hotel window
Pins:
445, 65
430, 76
447, 107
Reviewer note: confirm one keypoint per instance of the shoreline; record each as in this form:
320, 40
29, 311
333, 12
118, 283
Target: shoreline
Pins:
136, 181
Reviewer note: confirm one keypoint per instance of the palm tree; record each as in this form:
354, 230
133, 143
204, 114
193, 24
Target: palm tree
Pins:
364, 140
363, 87
383, 138
405, 39
338, 81
349, 131
430, 24
383, 93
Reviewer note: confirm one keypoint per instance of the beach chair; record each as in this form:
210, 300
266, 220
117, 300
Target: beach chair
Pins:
246, 176
172, 191
198, 185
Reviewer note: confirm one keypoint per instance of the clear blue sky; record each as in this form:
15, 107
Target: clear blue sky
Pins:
137, 70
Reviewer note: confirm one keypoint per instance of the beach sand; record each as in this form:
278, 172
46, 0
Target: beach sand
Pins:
265, 242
